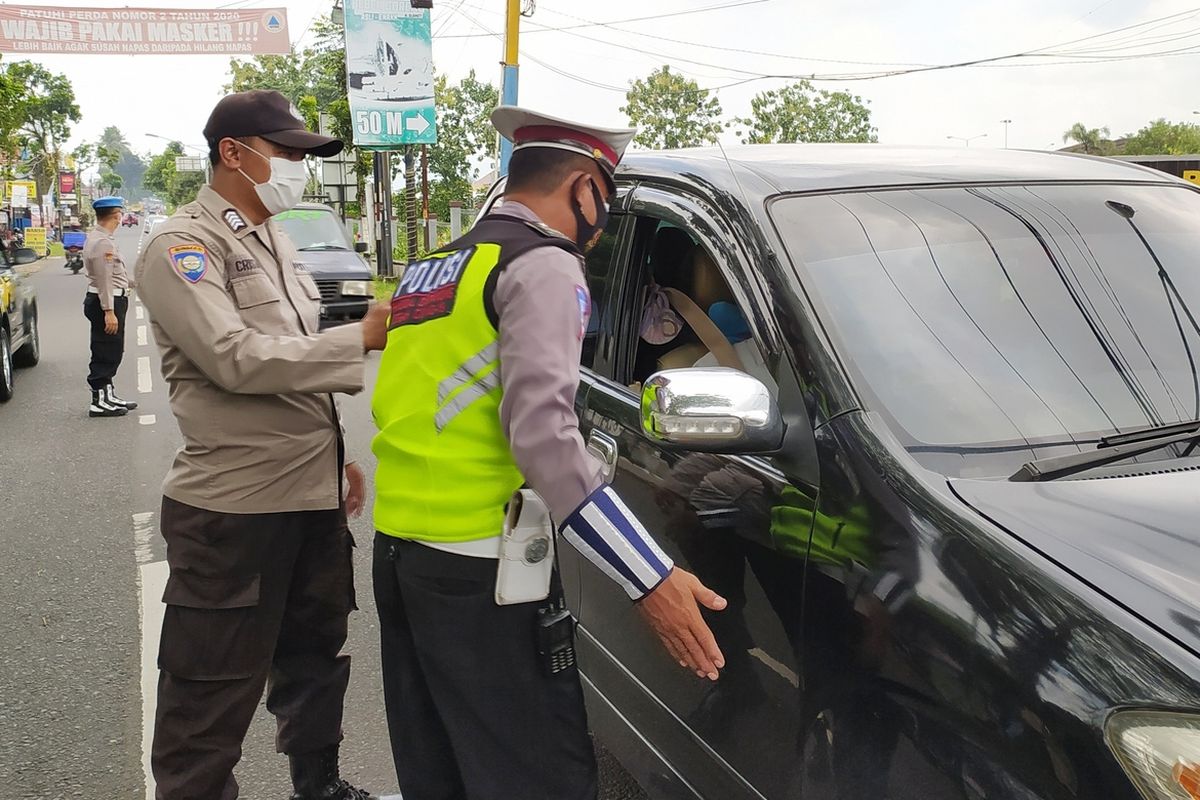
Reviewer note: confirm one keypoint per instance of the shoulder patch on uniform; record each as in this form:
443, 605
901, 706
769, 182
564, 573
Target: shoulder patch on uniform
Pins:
234, 220
585, 309
190, 261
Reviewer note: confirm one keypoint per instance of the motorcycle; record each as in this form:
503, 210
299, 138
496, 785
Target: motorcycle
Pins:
73, 242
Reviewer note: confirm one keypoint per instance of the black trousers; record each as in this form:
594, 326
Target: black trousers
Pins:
251, 599
470, 713
107, 349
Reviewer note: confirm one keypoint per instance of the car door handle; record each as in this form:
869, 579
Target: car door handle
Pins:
604, 447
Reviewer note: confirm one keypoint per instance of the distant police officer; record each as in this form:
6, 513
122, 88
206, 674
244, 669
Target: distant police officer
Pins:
475, 398
105, 305
261, 580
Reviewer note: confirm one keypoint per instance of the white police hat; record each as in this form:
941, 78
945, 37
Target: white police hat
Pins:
525, 128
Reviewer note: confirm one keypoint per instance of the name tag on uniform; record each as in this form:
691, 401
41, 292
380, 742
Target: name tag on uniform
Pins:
428, 289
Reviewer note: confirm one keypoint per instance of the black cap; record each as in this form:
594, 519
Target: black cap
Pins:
266, 113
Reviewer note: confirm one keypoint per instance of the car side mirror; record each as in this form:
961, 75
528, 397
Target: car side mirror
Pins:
25, 255
360, 247
711, 410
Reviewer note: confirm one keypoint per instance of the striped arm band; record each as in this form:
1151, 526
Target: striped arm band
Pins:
610, 536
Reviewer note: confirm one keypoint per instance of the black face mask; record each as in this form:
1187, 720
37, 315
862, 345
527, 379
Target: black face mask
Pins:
586, 231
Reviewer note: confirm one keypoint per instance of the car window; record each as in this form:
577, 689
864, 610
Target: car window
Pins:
600, 267
657, 334
1008, 317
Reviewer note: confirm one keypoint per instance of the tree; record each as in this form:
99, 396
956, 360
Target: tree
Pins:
46, 110
1094, 140
111, 182
161, 178
125, 162
465, 139
672, 111
1164, 138
800, 113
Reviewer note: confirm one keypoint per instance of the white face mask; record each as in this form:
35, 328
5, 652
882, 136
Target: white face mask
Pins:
284, 189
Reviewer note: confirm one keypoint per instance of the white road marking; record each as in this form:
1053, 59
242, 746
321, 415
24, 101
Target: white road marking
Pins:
139, 311
141, 335
144, 385
147, 419
152, 580
777, 667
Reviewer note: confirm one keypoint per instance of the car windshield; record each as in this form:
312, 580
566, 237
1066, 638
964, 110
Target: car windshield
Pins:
313, 229
987, 319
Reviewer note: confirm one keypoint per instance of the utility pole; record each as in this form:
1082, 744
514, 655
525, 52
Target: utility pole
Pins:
410, 200
508, 90
1006, 122
425, 195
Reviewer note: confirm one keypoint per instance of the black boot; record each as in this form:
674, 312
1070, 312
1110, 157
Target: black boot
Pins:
315, 777
102, 408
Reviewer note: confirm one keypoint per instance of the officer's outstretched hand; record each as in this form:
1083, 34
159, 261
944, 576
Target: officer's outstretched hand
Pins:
673, 613
374, 326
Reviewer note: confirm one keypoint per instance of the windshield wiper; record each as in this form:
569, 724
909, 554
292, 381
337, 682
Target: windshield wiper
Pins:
1111, 449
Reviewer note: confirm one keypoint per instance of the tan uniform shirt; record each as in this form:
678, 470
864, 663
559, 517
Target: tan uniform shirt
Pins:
104, 266
249, 375
540, 338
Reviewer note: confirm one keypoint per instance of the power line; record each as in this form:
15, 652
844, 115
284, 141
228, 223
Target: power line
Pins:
630, 19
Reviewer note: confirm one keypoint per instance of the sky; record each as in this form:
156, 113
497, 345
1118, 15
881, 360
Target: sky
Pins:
171, 95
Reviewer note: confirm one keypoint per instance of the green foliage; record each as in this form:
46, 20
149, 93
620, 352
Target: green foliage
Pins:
111, 182
800, 113
1094, 140
672, 111
161, 178
465, 138
1164, 138
40, 117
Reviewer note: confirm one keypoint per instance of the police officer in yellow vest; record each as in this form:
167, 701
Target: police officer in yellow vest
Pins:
475, 399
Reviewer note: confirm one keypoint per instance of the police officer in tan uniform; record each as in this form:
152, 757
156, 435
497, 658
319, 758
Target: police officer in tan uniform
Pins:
105, 305
260, 583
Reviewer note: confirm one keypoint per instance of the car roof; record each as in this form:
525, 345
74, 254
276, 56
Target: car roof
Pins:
783, 168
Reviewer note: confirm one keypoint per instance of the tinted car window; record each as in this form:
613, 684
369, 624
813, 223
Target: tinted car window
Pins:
600, 267
1009, 316
313, 229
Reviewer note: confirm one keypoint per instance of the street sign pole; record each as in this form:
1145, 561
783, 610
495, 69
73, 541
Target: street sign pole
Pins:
383, 202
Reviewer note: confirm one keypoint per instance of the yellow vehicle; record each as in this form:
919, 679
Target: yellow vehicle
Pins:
19, 344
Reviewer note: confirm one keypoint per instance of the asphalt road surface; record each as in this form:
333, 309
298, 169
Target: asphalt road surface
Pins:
83, 570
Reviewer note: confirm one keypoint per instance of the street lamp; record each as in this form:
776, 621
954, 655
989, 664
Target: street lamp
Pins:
1006, 122
966, 140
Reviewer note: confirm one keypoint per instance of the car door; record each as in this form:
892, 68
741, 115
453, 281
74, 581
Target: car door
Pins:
719, 517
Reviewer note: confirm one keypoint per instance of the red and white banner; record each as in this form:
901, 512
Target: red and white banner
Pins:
136, 31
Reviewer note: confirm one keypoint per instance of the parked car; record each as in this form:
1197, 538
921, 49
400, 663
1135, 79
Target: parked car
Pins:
334, 262
19, 343
953, 502
148, 224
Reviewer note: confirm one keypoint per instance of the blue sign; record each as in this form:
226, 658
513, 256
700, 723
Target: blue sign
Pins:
389, 73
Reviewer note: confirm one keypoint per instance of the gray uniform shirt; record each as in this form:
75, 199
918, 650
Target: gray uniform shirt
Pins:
248, 371
104, 267
542, 301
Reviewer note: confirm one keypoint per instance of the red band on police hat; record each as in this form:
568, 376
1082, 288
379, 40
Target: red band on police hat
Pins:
554, 133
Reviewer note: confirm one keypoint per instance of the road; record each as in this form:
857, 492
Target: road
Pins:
84, 570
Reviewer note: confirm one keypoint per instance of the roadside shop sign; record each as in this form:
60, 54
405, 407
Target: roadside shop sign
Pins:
190, 164
35, 239
66, 185
389, 73
138, 31
18, 194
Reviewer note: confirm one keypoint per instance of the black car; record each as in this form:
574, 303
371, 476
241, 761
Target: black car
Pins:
334, 262
19, 344
947, 479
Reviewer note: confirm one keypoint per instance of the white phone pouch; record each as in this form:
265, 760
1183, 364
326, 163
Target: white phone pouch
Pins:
526, 551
